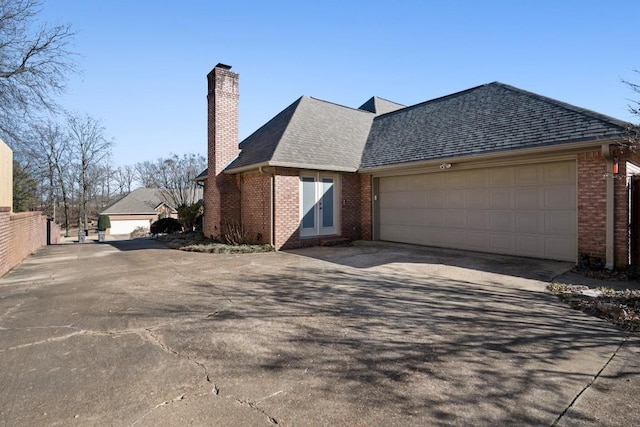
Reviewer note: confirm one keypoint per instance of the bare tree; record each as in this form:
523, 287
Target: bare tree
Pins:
124, 178
148, 173
177, 178
633, 132
50, 151
34, 63
91, 148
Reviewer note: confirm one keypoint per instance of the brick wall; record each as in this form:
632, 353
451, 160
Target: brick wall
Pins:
287, 209
256, 205
221, 195
21, 234
592, 204
355, 209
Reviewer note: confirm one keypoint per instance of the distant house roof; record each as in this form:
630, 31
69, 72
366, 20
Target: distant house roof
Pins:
310, 133
485, 119
140, 201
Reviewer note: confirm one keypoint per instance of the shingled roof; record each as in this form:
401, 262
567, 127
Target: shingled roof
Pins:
140, 201
310, 133
379, 106
485, 119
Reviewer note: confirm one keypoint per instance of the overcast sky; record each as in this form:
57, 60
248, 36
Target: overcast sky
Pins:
144, 62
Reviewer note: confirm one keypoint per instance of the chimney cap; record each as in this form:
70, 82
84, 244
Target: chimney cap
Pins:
223, 66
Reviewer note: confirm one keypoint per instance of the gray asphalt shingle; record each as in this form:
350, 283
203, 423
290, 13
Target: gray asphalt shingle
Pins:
310, 133
488, 118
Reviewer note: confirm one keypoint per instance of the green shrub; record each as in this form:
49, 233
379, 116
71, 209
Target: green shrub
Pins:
166, 226
104, 222
190, 215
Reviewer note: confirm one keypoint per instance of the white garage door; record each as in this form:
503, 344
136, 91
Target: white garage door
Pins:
527, 210
127, 226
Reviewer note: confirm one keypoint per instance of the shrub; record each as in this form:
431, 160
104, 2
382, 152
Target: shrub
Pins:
139, 232
190, 215
233, 233
104, 222
166, 226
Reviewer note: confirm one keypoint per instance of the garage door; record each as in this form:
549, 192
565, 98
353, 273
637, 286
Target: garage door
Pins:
127, 226
527, 210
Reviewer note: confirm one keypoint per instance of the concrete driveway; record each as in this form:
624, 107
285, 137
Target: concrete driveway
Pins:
132, 334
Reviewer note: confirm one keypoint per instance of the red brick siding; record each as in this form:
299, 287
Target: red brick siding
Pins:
287, 209
21, 234
256, 205
221, 195
622, 207
592, 204
355, 211
366, 210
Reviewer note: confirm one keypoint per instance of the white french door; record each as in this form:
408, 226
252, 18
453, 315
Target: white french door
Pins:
318, 204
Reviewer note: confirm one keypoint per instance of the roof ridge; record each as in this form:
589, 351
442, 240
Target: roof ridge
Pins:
296, 104
433, 100
388, 100
339, 105
565, 105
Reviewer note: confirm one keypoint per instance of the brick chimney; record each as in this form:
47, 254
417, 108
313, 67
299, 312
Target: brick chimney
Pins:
221, 198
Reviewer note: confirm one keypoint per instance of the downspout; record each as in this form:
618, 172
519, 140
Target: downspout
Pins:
271, 210
610, 211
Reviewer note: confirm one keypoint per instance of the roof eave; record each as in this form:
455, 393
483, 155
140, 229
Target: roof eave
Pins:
548, 149
291, 165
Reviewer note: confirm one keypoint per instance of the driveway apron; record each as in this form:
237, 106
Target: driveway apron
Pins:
131, 333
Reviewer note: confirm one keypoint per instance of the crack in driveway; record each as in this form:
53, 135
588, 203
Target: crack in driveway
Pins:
590, 383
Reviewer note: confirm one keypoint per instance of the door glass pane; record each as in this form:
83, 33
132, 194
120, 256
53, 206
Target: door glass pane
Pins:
308, 202
327, 202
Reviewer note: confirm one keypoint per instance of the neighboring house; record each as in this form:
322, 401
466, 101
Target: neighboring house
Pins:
139, 208
493, 169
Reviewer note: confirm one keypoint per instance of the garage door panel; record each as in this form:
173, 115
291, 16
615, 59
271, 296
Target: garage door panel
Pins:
478, 241
529, 175
456, 238
527, 210
478, 178
435, 218
418, 199
477, 199
500, 199
456, 219
560, 248
502, 243
529, 245
560, 173
560, 198
529, 222
501, 221
501, 177
559, 223
477, 220
455, 199
455, 180
529, 198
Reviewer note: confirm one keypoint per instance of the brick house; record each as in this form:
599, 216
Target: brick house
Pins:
139, 209
493, 169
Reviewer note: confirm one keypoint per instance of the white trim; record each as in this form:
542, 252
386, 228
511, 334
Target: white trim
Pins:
318, 230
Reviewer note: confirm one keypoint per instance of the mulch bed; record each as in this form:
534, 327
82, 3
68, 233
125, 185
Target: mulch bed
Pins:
621, 308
